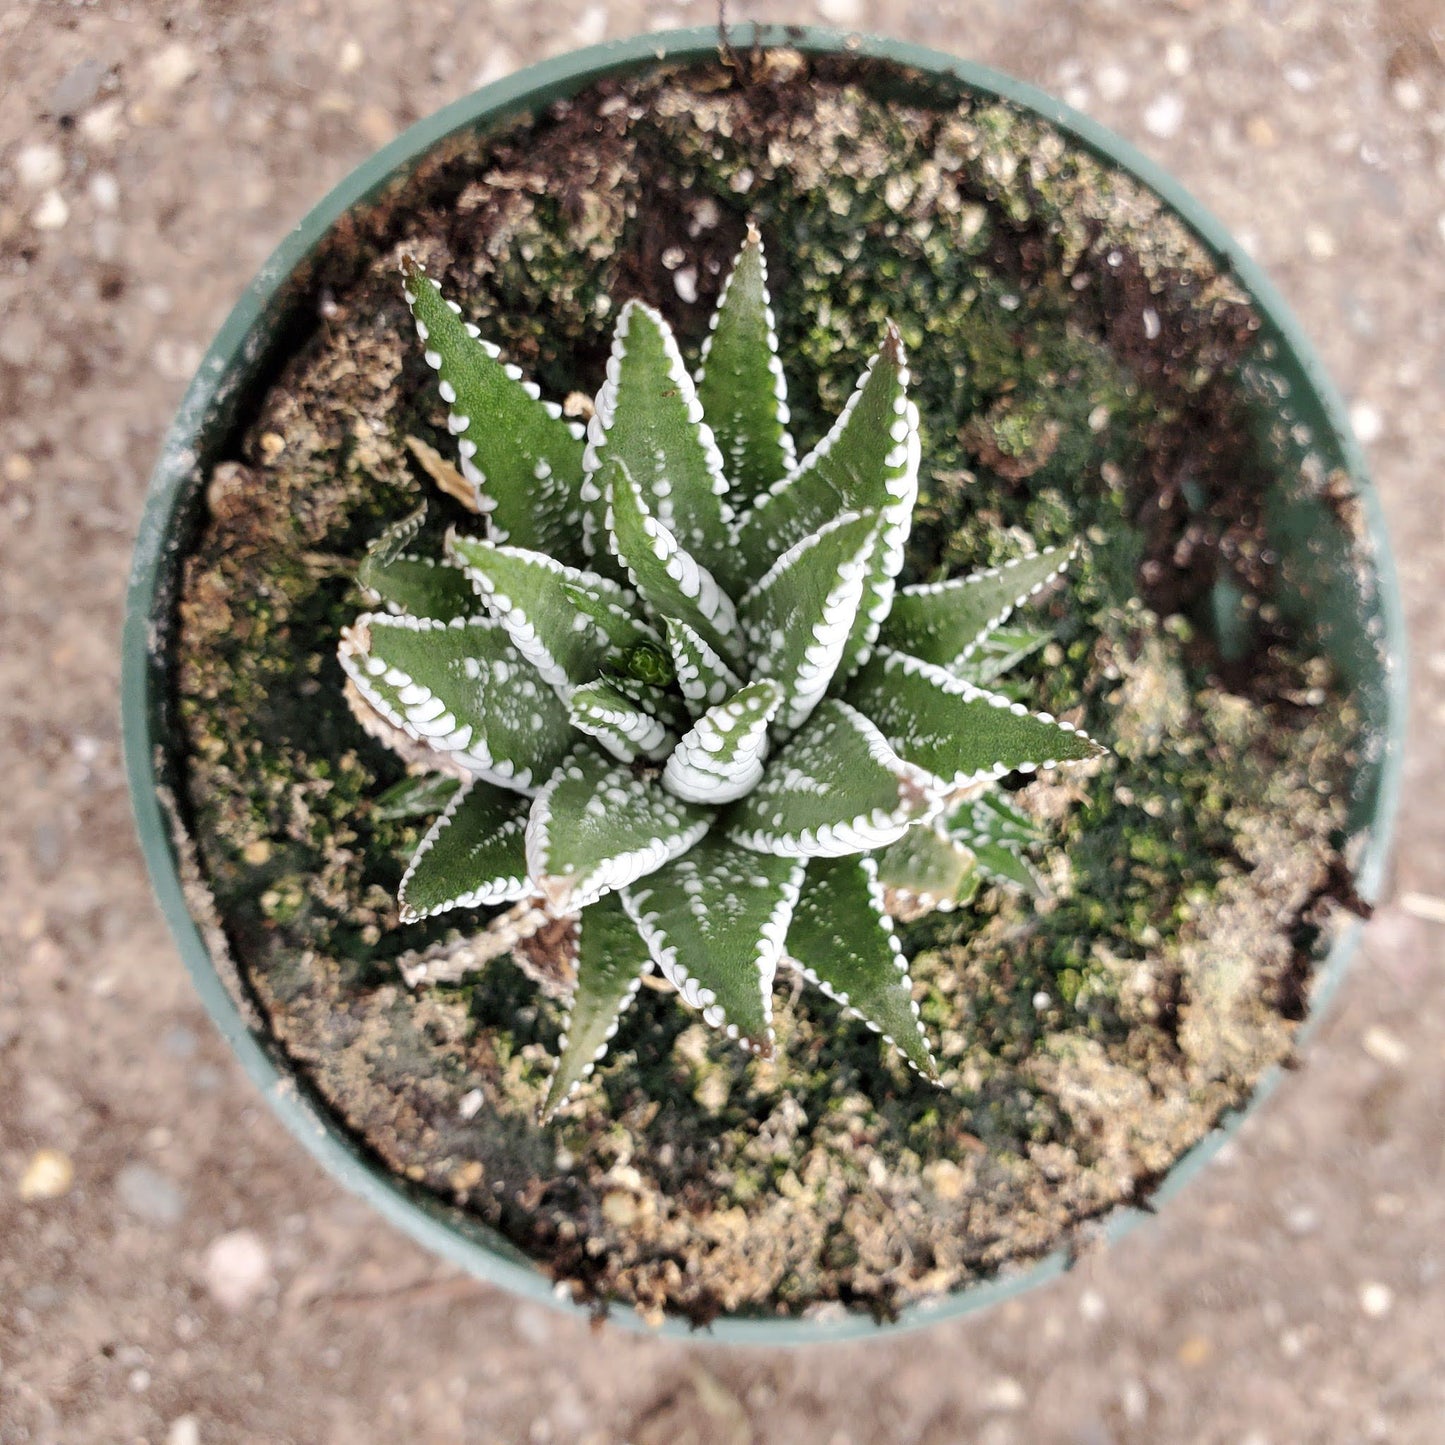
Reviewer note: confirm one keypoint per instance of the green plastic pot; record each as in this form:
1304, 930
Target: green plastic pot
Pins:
1361, 628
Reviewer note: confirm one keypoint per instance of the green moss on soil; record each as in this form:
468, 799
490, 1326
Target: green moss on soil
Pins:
1086, 1043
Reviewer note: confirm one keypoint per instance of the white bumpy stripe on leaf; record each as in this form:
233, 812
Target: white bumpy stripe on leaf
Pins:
958, 731
473, 856
648, 418
868, 462
619, 724
596, 827
843, 941
517, 450
702, 676
798, 618
460, 688
721, 758
835, 788
667, 577
715, 920
563, 620
943, 622
612, 959
740, 381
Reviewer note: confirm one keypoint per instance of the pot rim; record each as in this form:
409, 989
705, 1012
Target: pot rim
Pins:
235, 354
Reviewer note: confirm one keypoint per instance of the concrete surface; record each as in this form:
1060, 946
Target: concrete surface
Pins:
172, 1267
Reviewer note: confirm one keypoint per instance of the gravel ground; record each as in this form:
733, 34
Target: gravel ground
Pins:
173, 1268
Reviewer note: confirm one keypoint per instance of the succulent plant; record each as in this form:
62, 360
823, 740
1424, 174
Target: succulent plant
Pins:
694, 722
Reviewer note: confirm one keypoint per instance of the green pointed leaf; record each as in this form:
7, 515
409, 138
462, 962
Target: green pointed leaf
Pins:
395, 541
667, 577
958, 731
721, 758
702, 676
835, 788
844, 942
657, 702
460, 688
564, 621
596, 827
1006, 865
867, 463
989, 818
519, 452
798, 618
997, 834
391, 576
420, 586
649, 419
924, 872
944, 622
619, 724
997, 653
715, 921
740, 382
611, 961
472, 857
419, 797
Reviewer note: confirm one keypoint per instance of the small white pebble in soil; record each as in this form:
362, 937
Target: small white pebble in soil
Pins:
104, 191
841, 12
1302, 1219
172, 67
1092, 1307
1376, 1299
1134, 1401
533, 1325
1319, 243
1164, 115
39, 166
1112, 82
104, 125
237, 1269
1004, 1393
685, 284
52, 213
1385, 1047
184, 1431
499, 62
48, 1175
1150, 318
1423, 905
1042, 1001
1406, 93
1177, 59
470, 1104
1298, 78
705, 215
591, 25
1098, 418
1367, 422
351, 58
